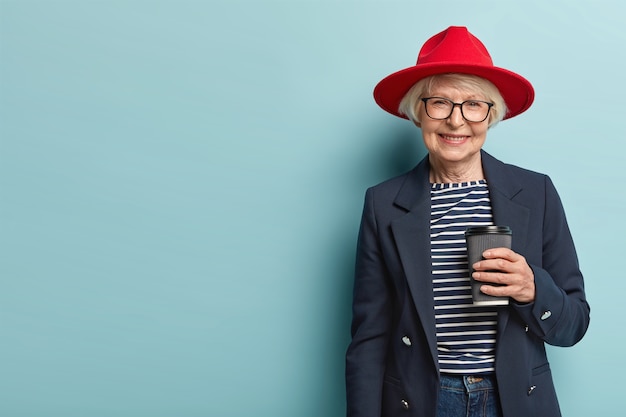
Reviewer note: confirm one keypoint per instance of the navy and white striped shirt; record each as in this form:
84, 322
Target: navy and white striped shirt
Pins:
466, 335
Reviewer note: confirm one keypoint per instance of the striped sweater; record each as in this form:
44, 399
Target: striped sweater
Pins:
466, 335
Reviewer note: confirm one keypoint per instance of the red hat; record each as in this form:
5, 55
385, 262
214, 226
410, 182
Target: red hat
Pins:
455, 50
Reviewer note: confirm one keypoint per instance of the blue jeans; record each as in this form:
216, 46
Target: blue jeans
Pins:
468, 396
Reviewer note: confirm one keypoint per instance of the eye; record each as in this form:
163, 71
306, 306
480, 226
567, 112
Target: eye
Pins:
439, 102
475, 104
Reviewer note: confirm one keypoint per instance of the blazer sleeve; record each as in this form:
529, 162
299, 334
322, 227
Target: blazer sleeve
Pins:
560, 313
371, 308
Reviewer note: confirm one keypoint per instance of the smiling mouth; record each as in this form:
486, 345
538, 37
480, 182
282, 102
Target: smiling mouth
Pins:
453, 138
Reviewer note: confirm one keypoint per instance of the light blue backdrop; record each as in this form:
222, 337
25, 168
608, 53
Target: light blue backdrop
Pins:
181, 184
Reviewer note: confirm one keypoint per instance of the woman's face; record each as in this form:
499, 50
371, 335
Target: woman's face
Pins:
453, 141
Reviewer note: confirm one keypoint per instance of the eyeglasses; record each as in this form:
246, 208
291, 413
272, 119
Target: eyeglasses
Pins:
440, 108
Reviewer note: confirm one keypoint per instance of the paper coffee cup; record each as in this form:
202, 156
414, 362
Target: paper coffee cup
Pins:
479, 239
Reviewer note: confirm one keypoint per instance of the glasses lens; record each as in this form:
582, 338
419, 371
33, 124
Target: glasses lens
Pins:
438, 108
475, 111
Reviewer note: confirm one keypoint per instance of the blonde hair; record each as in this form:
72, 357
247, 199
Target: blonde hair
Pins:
411, 103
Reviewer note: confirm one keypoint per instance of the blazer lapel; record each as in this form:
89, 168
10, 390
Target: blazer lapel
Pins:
503, 187
412, 236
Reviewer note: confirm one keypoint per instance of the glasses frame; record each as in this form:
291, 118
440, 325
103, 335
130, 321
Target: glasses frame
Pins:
425, 100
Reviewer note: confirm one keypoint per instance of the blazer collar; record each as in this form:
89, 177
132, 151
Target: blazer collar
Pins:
416, 187
504, 187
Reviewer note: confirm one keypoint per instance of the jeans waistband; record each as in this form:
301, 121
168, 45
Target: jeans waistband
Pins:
468, 383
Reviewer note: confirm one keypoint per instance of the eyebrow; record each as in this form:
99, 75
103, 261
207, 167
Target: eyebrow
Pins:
468, 98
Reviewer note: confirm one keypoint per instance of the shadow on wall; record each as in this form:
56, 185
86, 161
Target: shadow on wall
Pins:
395, 148
391, 150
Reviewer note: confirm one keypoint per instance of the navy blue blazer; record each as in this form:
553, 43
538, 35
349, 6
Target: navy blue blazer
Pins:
391, 363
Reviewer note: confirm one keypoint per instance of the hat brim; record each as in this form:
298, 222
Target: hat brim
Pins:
517, 92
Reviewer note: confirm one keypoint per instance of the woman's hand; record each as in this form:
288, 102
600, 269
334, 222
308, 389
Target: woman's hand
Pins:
509, 271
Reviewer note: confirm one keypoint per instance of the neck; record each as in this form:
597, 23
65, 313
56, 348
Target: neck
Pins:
455, 173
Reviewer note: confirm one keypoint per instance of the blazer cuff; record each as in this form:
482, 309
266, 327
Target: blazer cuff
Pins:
542, 315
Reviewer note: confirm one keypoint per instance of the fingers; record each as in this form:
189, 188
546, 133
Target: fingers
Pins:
523, 293
503, 253
501, 259
508, 272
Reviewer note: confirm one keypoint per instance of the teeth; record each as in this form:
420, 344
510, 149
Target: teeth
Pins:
454, 138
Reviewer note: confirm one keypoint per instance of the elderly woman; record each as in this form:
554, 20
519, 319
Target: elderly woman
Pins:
420, 347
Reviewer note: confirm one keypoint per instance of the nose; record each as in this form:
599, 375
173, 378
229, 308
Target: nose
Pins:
456, 117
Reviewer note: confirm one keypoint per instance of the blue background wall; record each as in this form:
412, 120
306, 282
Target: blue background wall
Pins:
181, 184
